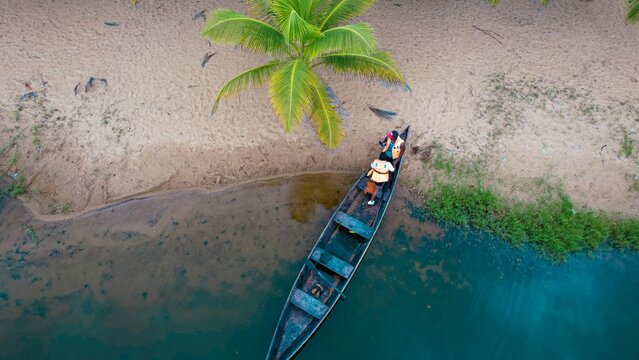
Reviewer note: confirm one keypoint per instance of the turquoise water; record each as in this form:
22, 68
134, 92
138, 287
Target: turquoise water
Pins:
199, 275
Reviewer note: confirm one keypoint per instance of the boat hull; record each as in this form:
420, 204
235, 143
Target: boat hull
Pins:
331, 265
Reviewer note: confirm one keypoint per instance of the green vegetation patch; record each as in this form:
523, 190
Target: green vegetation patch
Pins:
17, 112
508, 103
66, 208
628, 144
506, 100
550, 222
634, 182
36, 130
16, 188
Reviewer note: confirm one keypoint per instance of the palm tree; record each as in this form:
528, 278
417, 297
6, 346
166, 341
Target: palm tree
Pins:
301, 35
632, 15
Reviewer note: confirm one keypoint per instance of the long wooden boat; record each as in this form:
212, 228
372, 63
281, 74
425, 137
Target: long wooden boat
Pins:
331, 265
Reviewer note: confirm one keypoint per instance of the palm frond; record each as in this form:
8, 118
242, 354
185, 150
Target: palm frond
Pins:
340, 11
226, 26
310, 10
253, 77
295, 28
261, 9
324, 117
282, 10
379, 65
358, 38
291, 92
633, 11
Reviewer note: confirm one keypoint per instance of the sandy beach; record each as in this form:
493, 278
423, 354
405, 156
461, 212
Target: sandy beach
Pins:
537, 93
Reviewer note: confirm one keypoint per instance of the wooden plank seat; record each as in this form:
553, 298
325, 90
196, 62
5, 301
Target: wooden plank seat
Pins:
309, 304
339, 266
354, 225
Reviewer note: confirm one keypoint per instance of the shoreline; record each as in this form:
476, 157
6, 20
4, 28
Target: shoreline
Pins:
141, 196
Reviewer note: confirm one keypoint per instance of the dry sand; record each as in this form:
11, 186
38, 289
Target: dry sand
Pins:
539, 93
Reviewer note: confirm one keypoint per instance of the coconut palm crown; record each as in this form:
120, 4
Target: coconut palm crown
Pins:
301, 35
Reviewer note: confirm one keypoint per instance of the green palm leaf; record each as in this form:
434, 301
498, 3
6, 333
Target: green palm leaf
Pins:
633, 11
379, 65
252, 77
295, 28
229, 27
357, 38
340, 11
261, 9
291, 91
324, 117
309, 10
282, 10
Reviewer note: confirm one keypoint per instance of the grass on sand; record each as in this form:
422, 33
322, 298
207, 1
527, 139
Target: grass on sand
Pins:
551, 222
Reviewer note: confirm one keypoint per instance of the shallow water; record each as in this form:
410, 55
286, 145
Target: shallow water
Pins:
205, 275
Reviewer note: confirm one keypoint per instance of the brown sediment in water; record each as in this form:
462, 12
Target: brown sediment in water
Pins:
323, 189
149, 252
557, 106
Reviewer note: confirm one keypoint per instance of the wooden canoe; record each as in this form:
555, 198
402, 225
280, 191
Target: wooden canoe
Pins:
331, 265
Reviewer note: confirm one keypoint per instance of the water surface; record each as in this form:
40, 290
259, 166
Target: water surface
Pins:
205, 275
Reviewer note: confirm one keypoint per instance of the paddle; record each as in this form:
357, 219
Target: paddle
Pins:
328, 282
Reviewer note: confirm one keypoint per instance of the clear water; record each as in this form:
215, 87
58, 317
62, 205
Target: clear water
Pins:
205, 275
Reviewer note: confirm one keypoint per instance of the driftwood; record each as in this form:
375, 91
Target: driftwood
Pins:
206, 59
199, 15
